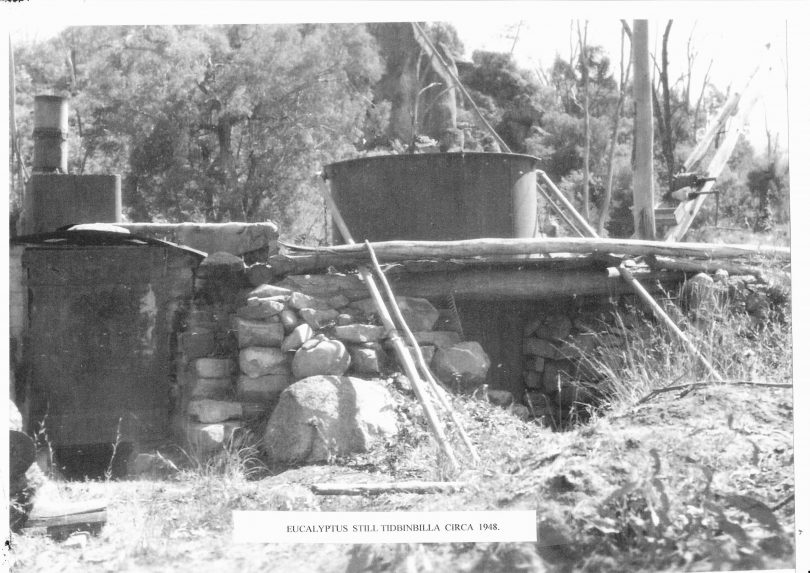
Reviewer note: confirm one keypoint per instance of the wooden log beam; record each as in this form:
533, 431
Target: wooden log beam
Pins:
380, 488
691, 266
279, 266
388, 251
526, 284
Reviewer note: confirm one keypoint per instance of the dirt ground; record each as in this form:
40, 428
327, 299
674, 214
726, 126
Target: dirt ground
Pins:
694, 481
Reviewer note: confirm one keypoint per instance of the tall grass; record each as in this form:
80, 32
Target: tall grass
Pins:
740, 347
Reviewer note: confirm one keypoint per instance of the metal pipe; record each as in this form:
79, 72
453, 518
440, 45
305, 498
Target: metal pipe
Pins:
567, 204
50, 134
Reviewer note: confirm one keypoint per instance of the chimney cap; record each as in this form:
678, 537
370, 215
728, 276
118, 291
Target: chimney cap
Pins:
51, 98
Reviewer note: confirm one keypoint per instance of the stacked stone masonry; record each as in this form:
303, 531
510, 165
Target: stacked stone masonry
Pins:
242, 347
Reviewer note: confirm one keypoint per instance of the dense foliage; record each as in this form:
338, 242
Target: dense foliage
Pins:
219, 123
207, 123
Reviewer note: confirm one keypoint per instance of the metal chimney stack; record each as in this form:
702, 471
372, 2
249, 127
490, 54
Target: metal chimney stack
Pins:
50, 134
53, 198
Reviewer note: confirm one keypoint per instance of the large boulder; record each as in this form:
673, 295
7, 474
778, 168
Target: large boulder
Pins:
321, 417
320, 356
465, 362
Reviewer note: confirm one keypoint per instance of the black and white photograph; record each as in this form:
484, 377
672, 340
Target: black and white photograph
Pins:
405, 287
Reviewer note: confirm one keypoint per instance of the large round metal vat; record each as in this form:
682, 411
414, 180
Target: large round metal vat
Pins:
436, 196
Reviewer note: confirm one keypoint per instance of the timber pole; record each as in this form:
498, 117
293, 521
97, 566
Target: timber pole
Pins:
643, 188
399, 346
401, 250
664, 317
586, 227
433, 385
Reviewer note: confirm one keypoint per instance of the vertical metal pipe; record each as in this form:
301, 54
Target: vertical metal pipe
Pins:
50, 134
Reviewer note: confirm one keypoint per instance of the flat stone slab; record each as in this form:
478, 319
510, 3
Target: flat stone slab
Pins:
213, 367
259, 361
256, 333
263, 388
234, 238
214, 411
358, 333
207, 438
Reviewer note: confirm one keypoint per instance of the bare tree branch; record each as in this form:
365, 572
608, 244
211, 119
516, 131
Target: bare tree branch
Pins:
669, 155
624, 76
699, 101
627, 30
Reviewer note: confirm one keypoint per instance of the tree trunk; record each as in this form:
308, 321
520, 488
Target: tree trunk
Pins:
669, 153
643, 189
586, 170
604, 211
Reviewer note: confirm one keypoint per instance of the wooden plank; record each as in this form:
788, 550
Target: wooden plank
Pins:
74, 520
381, 488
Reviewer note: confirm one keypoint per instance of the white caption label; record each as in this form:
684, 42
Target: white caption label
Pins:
383, 527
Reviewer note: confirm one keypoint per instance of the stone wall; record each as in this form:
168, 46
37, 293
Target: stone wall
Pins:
241, 347
253, 342
256, 241
562, 350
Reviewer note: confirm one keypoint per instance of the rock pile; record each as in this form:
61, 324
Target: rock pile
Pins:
278, 341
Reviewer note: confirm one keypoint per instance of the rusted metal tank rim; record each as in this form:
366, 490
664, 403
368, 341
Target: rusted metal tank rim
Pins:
424, 157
